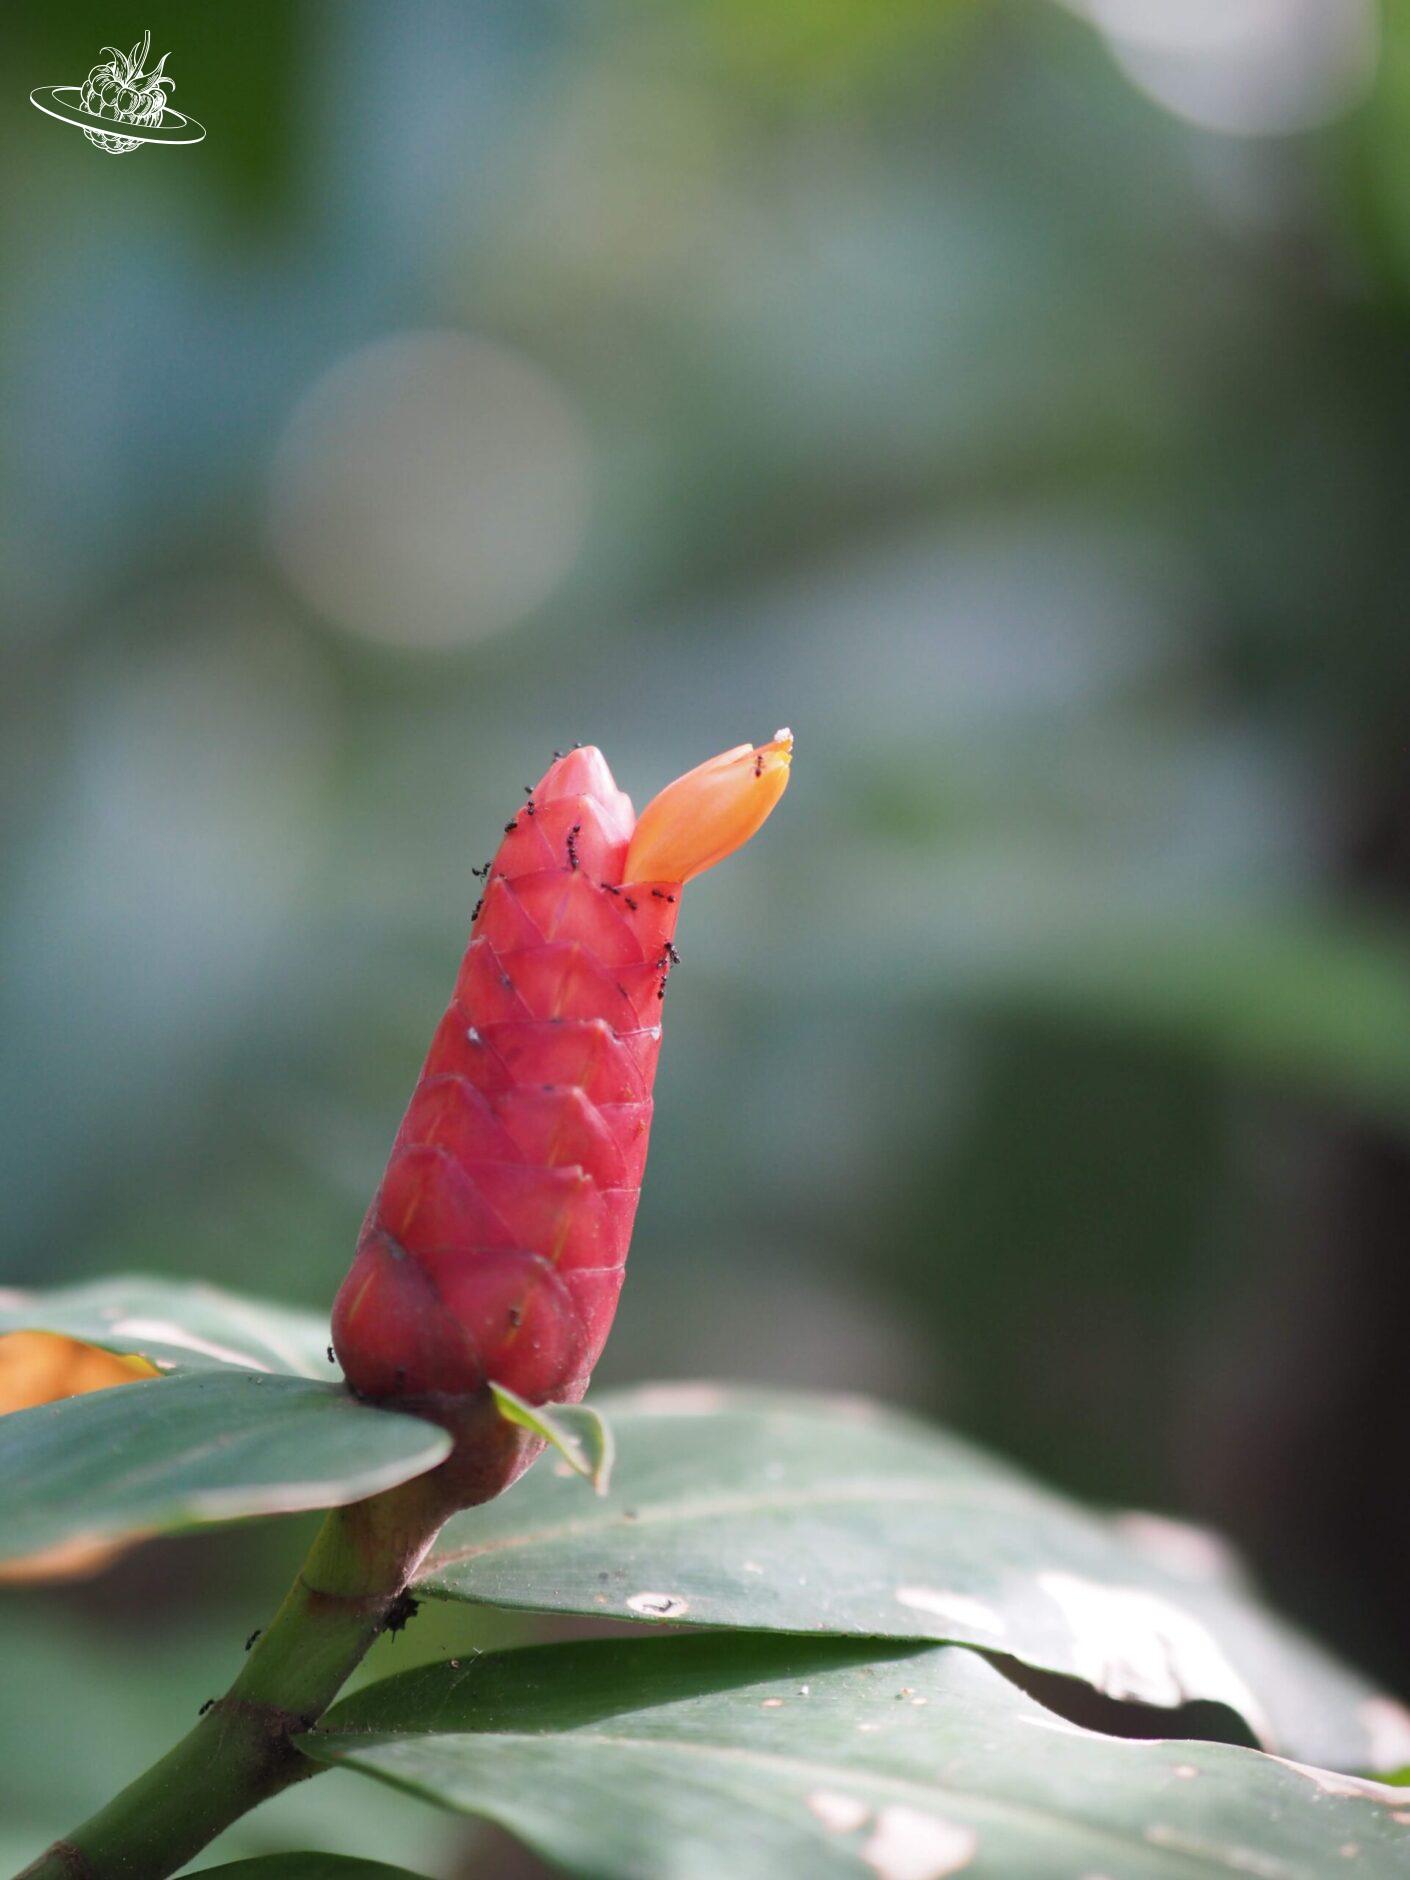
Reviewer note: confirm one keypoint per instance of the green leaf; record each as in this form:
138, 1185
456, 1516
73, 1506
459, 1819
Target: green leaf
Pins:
762, 1756
206, 1446
239, 1427
178, 1323
312, 1867
800, 1514
581, 1437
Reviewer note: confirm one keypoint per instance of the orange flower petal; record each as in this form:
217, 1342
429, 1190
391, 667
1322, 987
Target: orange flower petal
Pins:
709, 812
40, 1367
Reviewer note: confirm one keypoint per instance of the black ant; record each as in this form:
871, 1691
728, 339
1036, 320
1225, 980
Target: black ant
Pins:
483, 873
401, 1612
573, 843
511, 825
253, 1636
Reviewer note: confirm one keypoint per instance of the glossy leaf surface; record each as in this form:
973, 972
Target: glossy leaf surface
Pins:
687, 1758
178, 1322
182, 1451
798, 1514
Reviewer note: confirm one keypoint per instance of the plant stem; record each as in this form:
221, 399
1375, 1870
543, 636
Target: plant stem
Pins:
241, 1750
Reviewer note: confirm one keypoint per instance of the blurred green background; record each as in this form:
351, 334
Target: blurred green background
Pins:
1013, 399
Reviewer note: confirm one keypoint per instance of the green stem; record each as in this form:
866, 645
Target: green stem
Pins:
241, 1750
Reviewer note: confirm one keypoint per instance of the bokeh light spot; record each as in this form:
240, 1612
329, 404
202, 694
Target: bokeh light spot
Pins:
1248, 67
430, 490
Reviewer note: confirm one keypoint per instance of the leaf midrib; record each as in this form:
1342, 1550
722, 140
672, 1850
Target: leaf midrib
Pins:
764, 1500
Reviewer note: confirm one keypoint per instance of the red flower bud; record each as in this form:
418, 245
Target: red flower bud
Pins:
494, 1249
